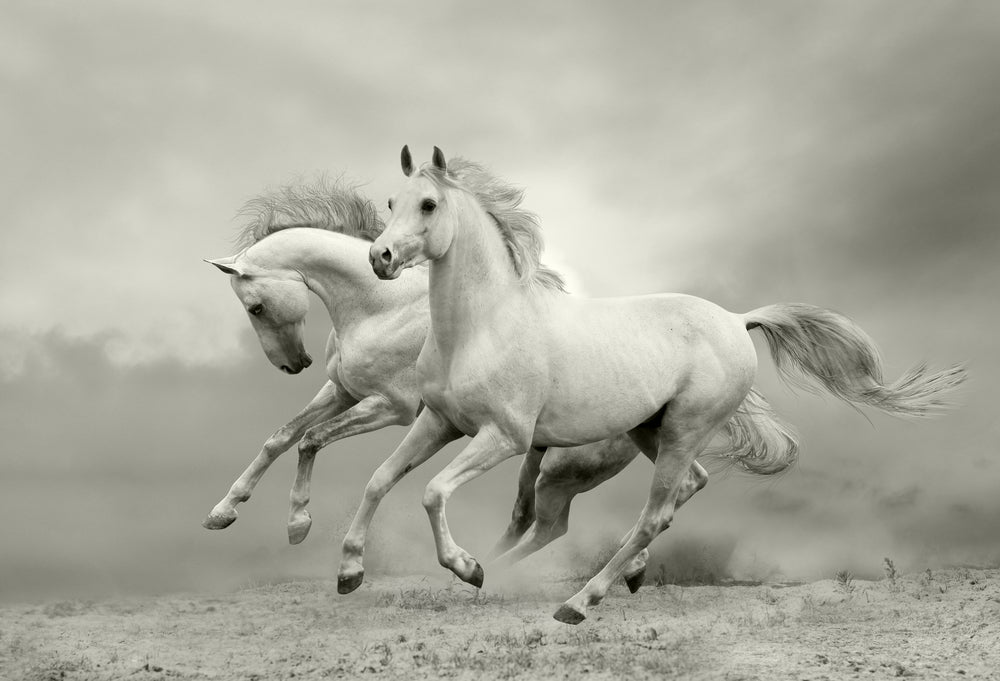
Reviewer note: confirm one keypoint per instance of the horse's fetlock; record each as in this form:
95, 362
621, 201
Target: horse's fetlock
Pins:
352, 546
308, 446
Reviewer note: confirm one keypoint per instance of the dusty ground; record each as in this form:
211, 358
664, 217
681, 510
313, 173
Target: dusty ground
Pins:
939, 625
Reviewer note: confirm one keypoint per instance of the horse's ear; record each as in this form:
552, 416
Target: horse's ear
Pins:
438, 160
226, 265
406, 160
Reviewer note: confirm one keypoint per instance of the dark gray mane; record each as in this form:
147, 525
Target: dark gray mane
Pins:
326, 204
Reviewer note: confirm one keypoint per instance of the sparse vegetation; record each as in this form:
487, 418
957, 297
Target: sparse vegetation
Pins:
845, 581
890, 573
392, 629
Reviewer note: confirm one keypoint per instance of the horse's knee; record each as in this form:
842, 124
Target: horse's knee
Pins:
433, 496
376, 488
309, 445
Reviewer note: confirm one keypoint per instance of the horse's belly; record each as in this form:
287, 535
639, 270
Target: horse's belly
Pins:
578, 412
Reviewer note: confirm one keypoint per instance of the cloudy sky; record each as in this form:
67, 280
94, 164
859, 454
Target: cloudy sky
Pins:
843, 154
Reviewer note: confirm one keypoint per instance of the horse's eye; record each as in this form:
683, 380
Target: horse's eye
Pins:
428, 206
255, 310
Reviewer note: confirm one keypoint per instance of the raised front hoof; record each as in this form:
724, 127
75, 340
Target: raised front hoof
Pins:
348, 583
298, 529
477, 578
567, 614
219, 521
635, 581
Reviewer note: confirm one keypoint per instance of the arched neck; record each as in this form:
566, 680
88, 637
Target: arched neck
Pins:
470, 279
335, 267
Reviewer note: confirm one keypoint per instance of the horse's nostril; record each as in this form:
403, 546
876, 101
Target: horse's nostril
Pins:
387, 256
286, 369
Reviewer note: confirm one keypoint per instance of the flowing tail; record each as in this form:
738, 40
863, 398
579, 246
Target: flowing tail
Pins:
756, 439
811, 342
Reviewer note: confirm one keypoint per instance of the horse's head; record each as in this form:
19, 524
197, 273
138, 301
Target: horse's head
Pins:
418, 229
277, 301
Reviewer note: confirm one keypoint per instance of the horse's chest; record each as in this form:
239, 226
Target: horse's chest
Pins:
466, 399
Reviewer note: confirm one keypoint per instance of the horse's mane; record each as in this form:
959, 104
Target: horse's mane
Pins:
519, 228
327, 204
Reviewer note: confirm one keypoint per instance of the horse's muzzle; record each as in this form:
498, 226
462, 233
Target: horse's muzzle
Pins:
384, 262
304, 363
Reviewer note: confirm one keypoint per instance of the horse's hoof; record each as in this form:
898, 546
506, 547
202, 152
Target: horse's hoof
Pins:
298, 529
635, 581
478, 577
347, 584
219, 521
567, 614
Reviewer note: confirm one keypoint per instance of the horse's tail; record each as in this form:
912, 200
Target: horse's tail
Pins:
835, 352
759, 442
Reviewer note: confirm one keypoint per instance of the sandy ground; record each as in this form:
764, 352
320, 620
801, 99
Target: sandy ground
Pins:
931, 625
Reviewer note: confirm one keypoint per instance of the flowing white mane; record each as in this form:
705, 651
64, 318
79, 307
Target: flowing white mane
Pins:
322, 204
519, 228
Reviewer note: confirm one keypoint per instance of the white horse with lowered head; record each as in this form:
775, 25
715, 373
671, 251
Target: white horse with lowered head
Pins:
514, 362
312, 238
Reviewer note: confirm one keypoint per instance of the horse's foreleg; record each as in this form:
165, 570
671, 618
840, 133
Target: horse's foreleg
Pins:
329, 401
488, 448
427, 436
371, 413
635, 571
523, 514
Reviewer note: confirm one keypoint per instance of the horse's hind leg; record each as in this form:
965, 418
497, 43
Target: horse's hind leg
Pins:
328, 401
681, 438
371, 413
552, 502
523, 514
635, 571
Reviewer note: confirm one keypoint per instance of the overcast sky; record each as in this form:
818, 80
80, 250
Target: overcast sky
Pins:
842, 154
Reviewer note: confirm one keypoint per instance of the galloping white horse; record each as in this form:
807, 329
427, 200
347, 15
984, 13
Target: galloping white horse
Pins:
316, 238
313, 238
514, 362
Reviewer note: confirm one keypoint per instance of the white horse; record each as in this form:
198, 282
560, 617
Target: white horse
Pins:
313, 238
316, 238
514, 362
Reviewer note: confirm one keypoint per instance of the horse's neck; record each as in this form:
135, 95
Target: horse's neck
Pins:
469, 280
337, 270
